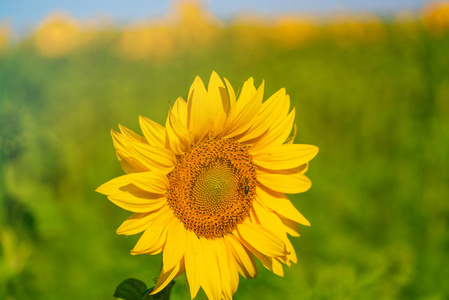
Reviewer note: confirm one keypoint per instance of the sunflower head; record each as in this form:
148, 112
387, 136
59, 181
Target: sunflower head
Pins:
208, 188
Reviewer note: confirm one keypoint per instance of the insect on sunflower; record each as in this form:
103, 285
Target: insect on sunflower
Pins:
208, 189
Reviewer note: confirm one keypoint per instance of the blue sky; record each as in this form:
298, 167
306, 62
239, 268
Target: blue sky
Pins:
24, 14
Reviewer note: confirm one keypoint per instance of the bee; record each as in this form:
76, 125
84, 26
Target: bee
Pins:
246, 189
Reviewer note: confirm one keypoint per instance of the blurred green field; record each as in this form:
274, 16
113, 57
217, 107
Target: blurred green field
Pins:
378, 206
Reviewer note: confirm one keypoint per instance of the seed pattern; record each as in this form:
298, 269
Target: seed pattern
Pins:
212, 187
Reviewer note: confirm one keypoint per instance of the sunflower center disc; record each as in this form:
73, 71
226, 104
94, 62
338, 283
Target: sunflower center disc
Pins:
212, 187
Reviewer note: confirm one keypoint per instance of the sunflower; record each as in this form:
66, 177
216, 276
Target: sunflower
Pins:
208, 189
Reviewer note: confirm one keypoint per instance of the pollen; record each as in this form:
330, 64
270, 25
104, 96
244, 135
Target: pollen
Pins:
212, 187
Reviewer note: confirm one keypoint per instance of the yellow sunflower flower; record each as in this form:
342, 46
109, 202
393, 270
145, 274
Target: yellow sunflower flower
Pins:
208, 189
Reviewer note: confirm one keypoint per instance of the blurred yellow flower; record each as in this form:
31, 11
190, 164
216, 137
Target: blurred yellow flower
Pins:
208, 189
405, 23
435, 17
291, 31
349, 28
147, 41
188, 27
97, 29
373, 28
249, 32
57, 35
345, 29
4, 37
195, 26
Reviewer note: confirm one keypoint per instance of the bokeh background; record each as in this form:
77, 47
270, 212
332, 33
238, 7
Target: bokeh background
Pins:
371, 89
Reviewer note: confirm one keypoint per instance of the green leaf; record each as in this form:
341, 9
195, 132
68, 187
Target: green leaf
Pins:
130, 289
162, 295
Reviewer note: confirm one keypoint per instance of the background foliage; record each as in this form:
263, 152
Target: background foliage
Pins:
372, 93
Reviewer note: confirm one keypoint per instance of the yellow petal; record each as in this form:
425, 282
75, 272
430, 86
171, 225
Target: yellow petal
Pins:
182, 267
132, 135
130, 162
303, 169
194, 262
291, 139
153, 132
151, 182
133, 194
211, 281
145, 202
269, 220
223, 93
243, 115
261, 239
154, 157
284, 108
180, 111
267, 261
284, 181
272, 112
139, 222
175, 246
233, 273
235, 106
179, 138
291, 227
198, 116
247, 94
148, 157
222, 257
154, 237
135, 223
231, 94
277, 135
248, 86
245, 260
280, 204
287, 156
218, 103
276, 267
292, 256
166, 277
